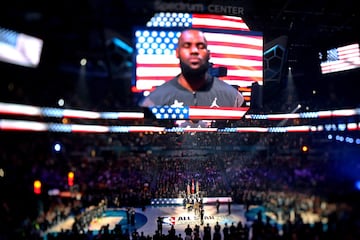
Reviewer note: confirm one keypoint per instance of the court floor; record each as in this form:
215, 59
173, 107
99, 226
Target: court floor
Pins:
180, 217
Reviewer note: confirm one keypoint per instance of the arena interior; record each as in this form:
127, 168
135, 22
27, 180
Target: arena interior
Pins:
80, 160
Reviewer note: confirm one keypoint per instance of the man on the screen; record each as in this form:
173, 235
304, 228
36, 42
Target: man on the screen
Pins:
194, 86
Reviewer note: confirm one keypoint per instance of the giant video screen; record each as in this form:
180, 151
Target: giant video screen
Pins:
20, 48
236, 58
340, 59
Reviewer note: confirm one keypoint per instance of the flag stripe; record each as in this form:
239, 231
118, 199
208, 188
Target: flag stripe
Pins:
218, 21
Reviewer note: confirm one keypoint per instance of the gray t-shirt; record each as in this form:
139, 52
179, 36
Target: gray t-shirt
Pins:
215, 93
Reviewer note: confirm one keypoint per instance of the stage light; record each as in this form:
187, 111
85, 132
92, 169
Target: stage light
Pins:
304, 148
71, 179
57, 147
37, 187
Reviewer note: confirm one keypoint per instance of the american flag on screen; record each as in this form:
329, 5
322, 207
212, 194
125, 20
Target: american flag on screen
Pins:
236, 48
197, 21
341, 59
198, 112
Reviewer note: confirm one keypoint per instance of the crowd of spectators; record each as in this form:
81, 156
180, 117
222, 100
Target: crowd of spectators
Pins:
131, 169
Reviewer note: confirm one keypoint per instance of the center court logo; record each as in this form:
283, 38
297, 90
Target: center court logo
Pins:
168, 220
185, 220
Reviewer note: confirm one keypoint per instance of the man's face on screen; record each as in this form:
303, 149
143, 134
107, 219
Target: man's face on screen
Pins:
193, 53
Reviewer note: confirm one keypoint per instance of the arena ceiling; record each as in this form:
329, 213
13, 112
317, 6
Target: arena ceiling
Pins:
68, 23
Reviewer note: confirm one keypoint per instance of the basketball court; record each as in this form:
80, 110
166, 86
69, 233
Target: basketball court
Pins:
177, 215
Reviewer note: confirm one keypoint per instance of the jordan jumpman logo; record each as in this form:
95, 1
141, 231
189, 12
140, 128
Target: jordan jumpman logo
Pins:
214, 104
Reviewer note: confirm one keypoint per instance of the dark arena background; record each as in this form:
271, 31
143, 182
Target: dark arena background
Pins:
79, 159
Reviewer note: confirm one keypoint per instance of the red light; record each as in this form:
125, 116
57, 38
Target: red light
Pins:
71, 179
37, 187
